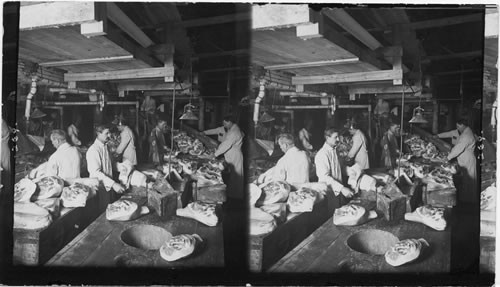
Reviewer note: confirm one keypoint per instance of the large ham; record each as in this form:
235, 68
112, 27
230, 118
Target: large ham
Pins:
200, 211
138, 179
428, 215
53, 205
124, 210
23, 190
274, 192
301, 200
50, 186
254, 194
405, 251
75, 195
352, 214
278, 210
179, 246
28, 215
261, 222
125, 168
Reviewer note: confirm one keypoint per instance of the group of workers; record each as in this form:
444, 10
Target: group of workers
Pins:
295, 164
65, 162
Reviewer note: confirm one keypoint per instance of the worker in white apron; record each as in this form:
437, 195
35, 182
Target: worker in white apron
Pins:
463, 151
231, 149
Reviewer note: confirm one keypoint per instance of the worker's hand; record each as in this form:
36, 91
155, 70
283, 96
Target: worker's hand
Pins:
118, 188
435, 136
347, 192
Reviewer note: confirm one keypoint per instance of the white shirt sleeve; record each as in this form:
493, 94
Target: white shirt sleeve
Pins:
226, 144
323, 173
448, 134
52, 167
215, 131
94, 167
459, 148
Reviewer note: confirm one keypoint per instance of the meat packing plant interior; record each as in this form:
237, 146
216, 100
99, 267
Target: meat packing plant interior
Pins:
347, 139
129, 134
368, 141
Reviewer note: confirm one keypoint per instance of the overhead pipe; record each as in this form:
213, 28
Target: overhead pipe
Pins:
260, 96
31, 94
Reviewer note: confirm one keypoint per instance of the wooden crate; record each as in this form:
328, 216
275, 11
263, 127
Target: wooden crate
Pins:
265, 250
210, 193
392, 204
445, 197
35, 247
163, 199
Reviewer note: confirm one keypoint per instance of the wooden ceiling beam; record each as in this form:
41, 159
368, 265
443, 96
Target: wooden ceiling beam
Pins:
429, 58
216, 20
441, 22
342, 18
219, 54
383, 75
87, 61
120, 74
313, 64
151, 86
272, 16
56, 14
365, 55
455, 72
380, 89
455, 20
139, 52
121, 20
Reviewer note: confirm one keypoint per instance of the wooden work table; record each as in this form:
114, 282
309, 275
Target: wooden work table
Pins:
326, 250
100, 245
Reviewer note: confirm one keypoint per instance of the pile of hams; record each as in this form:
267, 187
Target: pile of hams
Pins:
37, 202
344, 146
435, 176
426, 150
271, 202
188, 145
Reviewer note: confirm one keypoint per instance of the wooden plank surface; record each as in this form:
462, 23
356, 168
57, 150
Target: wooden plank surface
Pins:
326, 250
101, 245
268, 49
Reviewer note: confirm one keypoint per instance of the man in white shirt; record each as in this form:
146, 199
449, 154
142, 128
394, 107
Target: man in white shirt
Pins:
99, 162
293, 167
328, 167
65, 161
